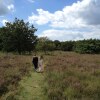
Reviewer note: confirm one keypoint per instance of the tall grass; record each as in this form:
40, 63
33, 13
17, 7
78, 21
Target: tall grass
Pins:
68, 75
12, 68
71, 76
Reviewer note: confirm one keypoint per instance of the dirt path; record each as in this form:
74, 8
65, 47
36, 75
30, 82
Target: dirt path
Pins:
31, 87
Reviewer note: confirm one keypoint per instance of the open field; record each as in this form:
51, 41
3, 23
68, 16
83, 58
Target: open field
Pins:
67, 76
72, 76
12, 69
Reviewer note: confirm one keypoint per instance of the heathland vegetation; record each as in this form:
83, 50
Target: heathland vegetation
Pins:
67, 76
72, 69
72, 76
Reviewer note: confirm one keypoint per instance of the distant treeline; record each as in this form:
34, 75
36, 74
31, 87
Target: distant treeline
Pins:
18, 36
90, 46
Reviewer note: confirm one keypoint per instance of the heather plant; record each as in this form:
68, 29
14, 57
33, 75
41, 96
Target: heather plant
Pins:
12, 69
72, 76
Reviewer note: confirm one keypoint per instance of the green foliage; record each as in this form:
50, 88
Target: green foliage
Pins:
1, 40
67, 45
31, 87
44, 44
17, 36
91, 46
57, 45
88, 46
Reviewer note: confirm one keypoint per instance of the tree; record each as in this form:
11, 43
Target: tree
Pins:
18, 36
1, 40
57, 45
90, 46
44, 44
67, 45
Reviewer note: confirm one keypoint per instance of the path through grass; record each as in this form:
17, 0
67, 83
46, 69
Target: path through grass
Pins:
31, 87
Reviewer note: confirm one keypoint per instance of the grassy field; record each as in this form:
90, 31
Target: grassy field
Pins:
72, 76
67, 76
12, 69
31, 87
18, 80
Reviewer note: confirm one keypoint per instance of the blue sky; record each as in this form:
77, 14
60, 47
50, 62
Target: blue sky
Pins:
56, 19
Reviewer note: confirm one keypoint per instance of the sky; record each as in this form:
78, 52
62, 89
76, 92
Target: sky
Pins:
61, 20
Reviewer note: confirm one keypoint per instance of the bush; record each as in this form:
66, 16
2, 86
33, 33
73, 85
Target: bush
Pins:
87, 46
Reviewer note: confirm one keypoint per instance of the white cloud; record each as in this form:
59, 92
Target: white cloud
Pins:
43, 18
77, 15
4, 21
6, 6
64, 35
11, 7
61, 35
83, 15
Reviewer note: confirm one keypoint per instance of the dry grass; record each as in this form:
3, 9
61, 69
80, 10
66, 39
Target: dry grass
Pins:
12, 68
72, 76
68, 75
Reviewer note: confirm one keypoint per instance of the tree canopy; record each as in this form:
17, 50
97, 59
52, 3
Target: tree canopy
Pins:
44, 44
17, 36
91, 46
